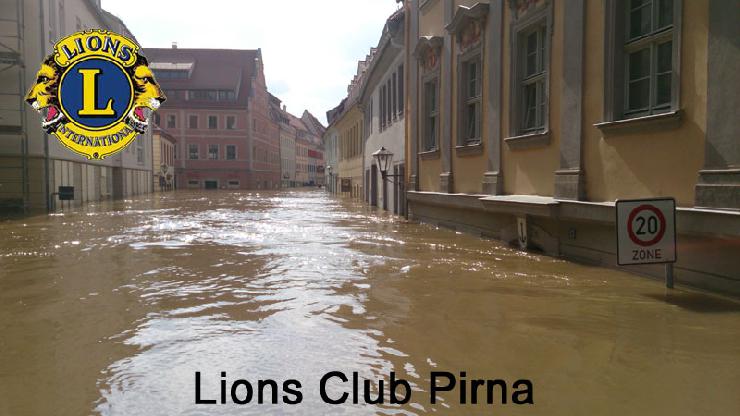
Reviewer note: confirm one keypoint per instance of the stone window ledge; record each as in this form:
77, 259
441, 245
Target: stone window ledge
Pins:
528, 141
469, 149
429, 155
669, 120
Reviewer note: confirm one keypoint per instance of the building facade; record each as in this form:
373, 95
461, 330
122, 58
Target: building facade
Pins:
316, 151
348, 121
542, 113
163, 160
287, 133
383, 100
331, 159
33, 164
217, 109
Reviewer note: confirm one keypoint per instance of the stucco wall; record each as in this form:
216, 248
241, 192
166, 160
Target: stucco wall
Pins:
642, 164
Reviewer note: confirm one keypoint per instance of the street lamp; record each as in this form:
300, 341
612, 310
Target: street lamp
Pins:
384, 157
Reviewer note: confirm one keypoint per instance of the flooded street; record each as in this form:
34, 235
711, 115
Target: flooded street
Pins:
112, 309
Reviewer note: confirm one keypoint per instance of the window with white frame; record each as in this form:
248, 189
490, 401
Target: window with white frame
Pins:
193, 151
532, 61
648, 49
431, 114
230, 152
642, 39
470, 91
213, 151
230, 122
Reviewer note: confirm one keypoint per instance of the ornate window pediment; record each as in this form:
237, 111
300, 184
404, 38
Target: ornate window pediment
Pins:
522, 8
428, 51
467, 25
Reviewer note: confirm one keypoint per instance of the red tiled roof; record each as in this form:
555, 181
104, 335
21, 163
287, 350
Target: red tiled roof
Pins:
213, 69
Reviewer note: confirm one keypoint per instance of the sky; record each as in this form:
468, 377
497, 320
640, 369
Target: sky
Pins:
310, 48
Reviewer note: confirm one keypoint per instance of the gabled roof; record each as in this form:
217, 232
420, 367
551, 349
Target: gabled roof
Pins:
212, 69
313, 123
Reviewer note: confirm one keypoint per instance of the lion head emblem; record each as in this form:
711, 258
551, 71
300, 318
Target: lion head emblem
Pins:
148, 96
95, 93
43, 95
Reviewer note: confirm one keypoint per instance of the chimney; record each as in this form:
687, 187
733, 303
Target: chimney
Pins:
285, 108
174, 45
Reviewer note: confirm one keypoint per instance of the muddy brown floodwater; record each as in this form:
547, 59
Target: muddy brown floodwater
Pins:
112, 308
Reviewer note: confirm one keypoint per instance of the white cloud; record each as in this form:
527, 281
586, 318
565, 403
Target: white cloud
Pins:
310, 47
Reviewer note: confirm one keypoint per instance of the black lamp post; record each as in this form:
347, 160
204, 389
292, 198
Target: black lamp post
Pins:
384, 157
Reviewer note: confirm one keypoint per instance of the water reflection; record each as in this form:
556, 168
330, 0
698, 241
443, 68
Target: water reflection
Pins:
113, 308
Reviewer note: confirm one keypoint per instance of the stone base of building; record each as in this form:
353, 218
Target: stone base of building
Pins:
91, 182
708, 240
446, 182
493, 183
719, 189
570, 184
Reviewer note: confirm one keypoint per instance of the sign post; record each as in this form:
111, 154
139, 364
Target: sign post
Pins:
646, 233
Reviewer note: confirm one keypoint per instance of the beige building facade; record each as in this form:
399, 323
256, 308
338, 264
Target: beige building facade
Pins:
544, 113
163, 160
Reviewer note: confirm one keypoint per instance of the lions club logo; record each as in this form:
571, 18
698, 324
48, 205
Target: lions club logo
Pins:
95, 93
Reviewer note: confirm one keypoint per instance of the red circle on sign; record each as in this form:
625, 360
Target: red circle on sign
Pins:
658, 236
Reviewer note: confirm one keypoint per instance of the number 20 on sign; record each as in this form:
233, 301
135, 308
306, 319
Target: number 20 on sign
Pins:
646, 231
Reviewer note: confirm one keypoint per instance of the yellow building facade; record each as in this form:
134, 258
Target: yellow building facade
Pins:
350, 154
346, 122
544, 113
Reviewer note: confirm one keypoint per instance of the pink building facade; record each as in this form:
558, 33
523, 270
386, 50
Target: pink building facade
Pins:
217, 109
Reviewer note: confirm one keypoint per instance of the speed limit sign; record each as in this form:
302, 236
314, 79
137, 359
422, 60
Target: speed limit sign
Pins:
646, 231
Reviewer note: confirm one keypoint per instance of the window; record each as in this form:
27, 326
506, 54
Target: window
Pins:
470, 94
648, 50
210, 95
193, 151
193, 122
388, 100
642, 58
532, 76
394, 100
370, 124
382, 107
233, 184
401, 98
431, 115
171, 121
230, 122
212, 122
213, 151
140, 151
230, 152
